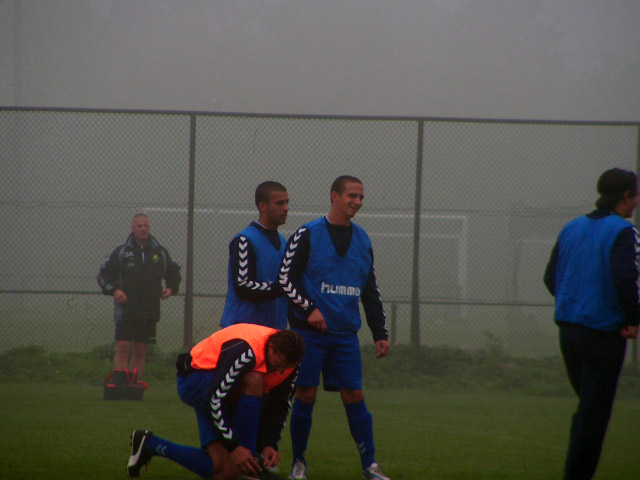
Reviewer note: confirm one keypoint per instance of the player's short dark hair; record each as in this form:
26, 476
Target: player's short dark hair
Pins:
263, 191
612, 186
288, 342
339, 184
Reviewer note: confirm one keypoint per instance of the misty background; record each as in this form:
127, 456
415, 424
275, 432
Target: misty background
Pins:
543, 59
494, 194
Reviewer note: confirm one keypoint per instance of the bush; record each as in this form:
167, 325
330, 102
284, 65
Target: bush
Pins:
441, 368
448, 368
35, 363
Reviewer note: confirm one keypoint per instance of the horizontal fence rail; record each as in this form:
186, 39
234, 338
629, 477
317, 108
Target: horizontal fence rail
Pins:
462, 213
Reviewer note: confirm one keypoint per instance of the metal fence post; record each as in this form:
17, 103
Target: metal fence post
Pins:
188, 290
394, 324
415, 282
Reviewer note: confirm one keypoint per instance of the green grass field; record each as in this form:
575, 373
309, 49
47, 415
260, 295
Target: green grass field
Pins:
66, 431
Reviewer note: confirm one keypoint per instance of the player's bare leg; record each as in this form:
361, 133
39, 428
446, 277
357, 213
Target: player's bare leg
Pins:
138, 357
121, 359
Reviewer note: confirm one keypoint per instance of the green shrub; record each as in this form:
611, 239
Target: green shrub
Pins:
441, 368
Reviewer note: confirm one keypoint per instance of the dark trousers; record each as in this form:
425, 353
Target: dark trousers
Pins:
593, 360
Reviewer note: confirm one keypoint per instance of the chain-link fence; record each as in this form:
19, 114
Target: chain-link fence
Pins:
489, 201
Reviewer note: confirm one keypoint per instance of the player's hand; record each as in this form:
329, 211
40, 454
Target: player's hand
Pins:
270, 457
166, 293
629, 331
243, 459
382, 348
316, 320
120, 297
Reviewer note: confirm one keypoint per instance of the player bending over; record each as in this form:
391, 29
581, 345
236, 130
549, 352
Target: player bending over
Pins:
240, 383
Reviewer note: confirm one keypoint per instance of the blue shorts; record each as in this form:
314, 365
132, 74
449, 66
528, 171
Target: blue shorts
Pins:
195, 390
337, 357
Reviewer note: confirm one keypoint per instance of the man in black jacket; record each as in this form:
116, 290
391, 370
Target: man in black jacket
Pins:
133, 274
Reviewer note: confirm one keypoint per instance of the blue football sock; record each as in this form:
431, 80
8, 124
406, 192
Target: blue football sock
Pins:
247, 420
191, 458
300, 428
361, 427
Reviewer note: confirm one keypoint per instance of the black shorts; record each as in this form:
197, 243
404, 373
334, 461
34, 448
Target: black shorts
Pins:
139, 330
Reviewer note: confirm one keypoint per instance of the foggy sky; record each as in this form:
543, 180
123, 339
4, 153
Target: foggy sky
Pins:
542, 59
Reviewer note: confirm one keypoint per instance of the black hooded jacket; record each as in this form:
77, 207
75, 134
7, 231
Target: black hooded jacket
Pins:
139, 271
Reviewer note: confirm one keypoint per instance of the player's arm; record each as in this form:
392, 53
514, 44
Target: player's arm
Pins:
624, 269
276, 406
372, 306
291, 269
236, 359
550, 271
242, 262
172, 277
109, 273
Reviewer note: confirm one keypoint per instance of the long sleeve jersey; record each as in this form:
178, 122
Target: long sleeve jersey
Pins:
230, 360
243, 267
253, 292
600, 292
296, 260
139, 271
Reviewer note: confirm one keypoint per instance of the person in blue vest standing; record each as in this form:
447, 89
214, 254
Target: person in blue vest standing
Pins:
253, 293
593, 275
327, 269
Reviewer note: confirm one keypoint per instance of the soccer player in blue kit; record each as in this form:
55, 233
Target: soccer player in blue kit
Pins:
327, 269
593, 275
253, 293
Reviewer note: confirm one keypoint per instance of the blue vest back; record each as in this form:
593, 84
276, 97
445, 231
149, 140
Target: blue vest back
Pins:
269, 314
334, 283
585, 293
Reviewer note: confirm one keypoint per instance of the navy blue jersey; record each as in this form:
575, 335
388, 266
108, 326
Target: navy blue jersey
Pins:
209, 390
330, 267
253, 293
593, 272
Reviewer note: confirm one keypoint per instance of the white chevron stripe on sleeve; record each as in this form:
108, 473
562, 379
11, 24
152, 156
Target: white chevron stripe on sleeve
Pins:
225, 386
283, 275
